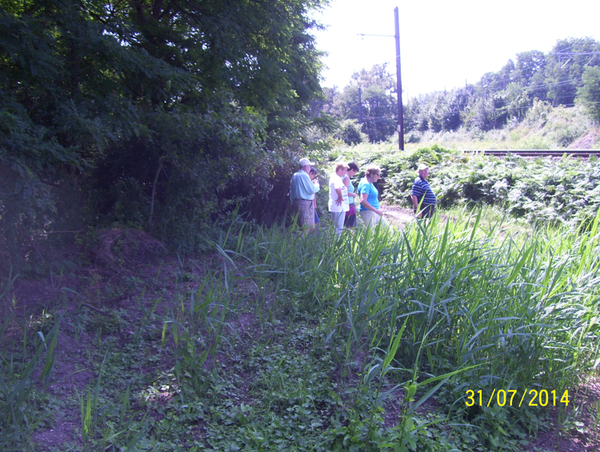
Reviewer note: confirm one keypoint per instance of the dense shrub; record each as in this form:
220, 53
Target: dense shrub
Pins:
350, 132
163, 117
562, 190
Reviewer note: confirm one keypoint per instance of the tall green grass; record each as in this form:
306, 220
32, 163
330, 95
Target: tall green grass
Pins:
286, 339
21, 376
521, 309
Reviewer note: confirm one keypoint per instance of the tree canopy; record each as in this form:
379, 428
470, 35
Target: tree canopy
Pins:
150, 113
589, 93
497, 99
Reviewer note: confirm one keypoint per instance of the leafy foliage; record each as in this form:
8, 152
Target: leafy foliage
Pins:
350, 132
156, 115
589, 93
542, 190
498, 99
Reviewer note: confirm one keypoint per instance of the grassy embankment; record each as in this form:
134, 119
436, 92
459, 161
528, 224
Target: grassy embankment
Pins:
370, 341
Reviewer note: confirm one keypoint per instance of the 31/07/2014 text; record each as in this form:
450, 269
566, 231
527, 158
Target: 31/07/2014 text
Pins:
509, 397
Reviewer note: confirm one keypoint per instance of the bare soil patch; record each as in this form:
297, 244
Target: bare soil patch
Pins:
397, 216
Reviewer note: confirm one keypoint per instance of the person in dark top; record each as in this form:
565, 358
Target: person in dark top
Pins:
350, 220
422, 195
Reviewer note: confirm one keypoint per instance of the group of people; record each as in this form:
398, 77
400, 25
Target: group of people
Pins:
345, 201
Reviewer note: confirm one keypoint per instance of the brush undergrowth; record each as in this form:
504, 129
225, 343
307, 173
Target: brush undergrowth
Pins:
367, 341
542, 190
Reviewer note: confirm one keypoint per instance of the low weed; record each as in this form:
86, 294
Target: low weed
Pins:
21, 377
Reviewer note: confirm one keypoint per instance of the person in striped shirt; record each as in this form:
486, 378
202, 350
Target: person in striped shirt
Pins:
422, 195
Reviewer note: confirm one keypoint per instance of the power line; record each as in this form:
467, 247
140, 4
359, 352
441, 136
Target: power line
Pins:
574, 53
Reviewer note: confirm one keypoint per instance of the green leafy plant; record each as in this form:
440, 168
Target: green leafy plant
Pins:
19, 417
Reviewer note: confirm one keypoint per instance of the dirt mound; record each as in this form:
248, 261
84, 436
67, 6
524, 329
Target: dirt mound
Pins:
588, 141
121, 247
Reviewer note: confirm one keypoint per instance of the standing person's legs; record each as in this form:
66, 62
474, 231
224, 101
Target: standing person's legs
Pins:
370, 218
428, 210
350, 220
338, 221
306, 214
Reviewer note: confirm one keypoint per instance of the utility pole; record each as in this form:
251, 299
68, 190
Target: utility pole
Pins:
399, 82
360, 120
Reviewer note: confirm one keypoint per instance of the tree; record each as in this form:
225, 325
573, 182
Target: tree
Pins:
378, 104
157, 114
484, 113
492, 82
565, 67
412, 115
517, 101
528, 65
529, 73
439, 110
454, 104
350, 132
589, 93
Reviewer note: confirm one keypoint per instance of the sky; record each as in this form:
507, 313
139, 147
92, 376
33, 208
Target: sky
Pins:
444, 44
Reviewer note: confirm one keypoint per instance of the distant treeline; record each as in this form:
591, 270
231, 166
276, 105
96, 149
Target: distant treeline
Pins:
570, 73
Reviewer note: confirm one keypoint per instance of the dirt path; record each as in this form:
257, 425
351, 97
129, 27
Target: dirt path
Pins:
397, 216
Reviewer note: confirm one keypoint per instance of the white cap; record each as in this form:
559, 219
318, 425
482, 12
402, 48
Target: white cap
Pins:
422, 167
305, 162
